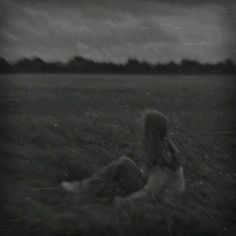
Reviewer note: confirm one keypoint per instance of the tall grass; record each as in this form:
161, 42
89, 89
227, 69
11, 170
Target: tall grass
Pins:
66, 127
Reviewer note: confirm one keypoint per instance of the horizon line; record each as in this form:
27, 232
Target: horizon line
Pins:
31, 58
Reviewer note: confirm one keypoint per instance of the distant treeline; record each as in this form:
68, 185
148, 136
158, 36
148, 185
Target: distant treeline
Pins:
132, 66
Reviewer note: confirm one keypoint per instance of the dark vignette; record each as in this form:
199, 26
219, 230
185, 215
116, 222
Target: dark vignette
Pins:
4, 122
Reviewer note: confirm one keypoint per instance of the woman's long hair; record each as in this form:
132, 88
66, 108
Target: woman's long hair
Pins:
153, 137
157, 147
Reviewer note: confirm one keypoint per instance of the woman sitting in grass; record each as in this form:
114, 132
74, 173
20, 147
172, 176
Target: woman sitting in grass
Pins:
160, 170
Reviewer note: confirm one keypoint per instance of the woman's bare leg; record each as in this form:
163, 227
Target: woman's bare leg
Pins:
121, 177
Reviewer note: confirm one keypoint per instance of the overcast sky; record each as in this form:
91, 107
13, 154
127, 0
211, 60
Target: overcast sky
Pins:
115, 30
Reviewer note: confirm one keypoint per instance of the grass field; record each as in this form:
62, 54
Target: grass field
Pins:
65, 127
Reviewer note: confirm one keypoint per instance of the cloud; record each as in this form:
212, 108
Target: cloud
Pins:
115, 30
178, 2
